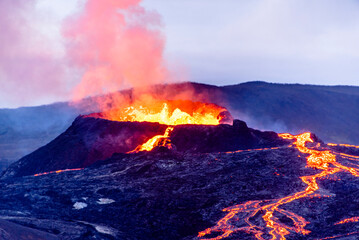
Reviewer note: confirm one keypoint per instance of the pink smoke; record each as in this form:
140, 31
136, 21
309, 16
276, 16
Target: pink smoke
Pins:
116, 43
29, 70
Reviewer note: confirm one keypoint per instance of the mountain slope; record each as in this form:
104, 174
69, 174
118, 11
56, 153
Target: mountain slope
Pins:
332, 112
89, 140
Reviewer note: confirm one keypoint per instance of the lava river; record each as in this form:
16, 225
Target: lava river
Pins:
324, 160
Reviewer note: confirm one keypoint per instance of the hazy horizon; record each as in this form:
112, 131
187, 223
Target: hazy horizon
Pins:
218, 43
217, 85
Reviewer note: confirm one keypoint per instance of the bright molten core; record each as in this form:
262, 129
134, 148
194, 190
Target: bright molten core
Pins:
169, 113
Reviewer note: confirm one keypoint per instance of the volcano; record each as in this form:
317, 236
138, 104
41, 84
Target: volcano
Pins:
97, 136
125, 174
290, 108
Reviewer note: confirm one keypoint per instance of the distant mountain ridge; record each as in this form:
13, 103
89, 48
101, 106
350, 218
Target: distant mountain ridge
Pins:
331, 112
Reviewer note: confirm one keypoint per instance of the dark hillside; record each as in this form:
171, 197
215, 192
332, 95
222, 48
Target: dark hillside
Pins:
332, 112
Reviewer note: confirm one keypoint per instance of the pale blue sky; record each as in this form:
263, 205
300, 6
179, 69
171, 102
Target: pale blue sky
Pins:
232, 41
287, 41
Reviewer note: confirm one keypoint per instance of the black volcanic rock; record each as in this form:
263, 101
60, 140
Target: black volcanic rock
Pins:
156, 196
174, 195
90, 139
12, 231
86, 141
222, 138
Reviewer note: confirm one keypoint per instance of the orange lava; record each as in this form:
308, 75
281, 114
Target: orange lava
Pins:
348, 220
159, 140
342, 145
168, 113
58, 171
241, 214
348, 156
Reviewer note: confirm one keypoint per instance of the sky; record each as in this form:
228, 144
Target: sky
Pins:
209, 41
285, 41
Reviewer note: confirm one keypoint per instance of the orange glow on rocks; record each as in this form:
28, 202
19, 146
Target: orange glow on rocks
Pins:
159, 140
58, 171
323, 160
348, 220
342, 145
168, 113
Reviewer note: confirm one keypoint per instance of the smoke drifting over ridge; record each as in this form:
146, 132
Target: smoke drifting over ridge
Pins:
107, 45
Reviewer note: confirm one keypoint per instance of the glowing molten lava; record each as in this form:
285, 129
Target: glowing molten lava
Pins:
58, 171
342, 145
240, 215
168, 113
171, 113
159, 140
348, 220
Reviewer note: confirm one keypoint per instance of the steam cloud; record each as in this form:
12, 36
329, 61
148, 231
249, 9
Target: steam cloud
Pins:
113, 44
116, 44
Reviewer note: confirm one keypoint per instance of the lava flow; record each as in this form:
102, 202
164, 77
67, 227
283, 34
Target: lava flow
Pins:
323, 160
159, 140
348, 220
342, 145
170, 113
58, 171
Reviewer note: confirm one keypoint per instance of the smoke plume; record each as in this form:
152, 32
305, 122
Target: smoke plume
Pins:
115, 44
107, 45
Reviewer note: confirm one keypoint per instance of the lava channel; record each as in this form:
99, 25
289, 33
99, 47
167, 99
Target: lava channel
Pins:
323, 160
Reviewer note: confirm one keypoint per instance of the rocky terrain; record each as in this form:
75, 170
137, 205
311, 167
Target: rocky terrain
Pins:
91, 139
173, 193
